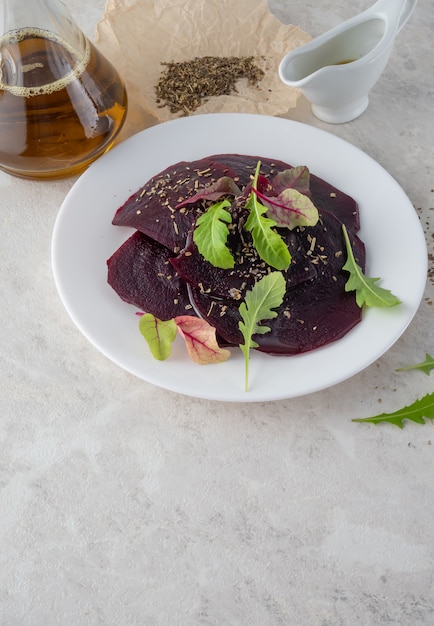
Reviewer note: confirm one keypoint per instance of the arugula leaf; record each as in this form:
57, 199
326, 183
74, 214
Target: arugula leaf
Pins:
265, 295
268, 243
416, 412
159, 335
367, 292
426, 366
211, 234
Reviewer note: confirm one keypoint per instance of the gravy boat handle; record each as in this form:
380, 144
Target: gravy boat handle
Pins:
407, 10
389, 8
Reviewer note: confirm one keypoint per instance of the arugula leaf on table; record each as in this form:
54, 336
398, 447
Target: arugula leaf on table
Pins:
159, 335
211, 234
417, 412
268, 243
367, 291
265, 295
426, 366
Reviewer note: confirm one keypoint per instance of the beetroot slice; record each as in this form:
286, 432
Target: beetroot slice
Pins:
329, 198
245, 166
313, 313
141, 274
152, 209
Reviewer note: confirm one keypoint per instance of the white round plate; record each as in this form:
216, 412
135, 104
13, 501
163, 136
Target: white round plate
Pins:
84, 238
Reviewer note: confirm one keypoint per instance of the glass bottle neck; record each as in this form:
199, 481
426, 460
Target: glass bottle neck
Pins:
41, 16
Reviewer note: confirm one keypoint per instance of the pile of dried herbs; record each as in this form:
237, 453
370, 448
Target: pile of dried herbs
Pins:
185, 85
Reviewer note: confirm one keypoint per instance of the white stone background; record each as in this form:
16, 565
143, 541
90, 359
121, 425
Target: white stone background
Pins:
122, 504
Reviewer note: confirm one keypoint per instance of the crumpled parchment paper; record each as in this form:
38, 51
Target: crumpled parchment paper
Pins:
137, 36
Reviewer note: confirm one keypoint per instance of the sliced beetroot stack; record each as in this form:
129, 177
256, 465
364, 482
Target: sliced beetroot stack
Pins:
160, 270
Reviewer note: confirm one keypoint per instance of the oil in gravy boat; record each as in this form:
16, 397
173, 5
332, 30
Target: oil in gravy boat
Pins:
336, 71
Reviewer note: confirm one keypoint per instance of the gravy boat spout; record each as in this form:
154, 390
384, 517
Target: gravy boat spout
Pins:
336, 71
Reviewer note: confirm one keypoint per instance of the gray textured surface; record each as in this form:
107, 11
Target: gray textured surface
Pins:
122, 504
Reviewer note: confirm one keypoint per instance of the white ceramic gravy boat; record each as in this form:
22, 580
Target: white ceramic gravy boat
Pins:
336, 70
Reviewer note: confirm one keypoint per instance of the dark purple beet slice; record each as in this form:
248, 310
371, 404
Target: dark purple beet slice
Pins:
152, 209
141, 274
249, 267
245, 165
345, 208
313, 313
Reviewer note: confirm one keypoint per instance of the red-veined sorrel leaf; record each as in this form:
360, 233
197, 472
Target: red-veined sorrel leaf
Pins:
200, 339
222, 187
290, 209
294, 178
158, 335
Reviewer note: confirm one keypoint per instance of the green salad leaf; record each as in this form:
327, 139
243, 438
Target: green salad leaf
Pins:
265, 295
426, 366
417, 412
199, 337
268, 243
158, 335
367, 291
200, 340
291, 209
297, 177
211, 234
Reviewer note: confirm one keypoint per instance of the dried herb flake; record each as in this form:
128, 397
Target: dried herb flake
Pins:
185, 85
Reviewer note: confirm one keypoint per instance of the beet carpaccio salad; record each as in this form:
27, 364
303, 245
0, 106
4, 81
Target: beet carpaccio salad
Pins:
235, 250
